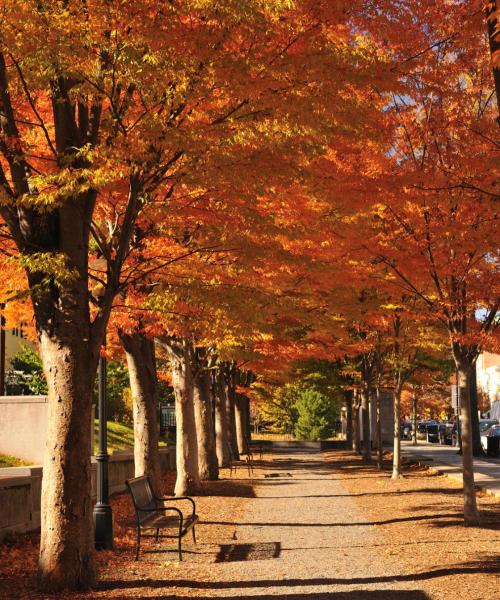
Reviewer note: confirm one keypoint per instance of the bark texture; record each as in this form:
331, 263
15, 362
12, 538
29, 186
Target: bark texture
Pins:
67, 540
471, 514
348, 402
356, 441
221, 420
230, 383
396, 460
365, 417
241, 412
380, 449
141, 361
207, 455
181, 360
69, 346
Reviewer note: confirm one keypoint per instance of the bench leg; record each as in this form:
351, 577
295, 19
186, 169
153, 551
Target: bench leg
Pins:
194, 535
157, 534
180, 548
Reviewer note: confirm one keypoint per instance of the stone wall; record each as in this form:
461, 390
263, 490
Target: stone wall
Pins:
20, 489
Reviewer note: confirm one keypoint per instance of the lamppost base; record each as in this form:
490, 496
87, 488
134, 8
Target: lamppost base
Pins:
103, 527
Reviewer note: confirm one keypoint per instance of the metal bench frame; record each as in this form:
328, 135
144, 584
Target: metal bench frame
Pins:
154, 506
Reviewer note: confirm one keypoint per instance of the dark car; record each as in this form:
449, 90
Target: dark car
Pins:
422, 428
432, 432
485, 424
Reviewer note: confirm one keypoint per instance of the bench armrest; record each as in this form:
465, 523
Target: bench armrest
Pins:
175, 498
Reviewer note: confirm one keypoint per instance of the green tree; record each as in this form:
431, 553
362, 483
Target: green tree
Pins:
316, 415
29, 363
117, 386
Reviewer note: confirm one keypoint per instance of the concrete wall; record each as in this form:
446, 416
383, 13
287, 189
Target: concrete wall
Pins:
23, 427
20, 489
386, 401
20, 493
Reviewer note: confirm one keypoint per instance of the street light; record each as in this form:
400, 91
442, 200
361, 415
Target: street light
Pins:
103, 514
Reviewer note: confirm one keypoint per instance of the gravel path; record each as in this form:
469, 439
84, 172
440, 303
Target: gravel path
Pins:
303, 537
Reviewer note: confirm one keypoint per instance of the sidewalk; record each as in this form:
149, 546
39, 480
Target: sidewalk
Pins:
446, 460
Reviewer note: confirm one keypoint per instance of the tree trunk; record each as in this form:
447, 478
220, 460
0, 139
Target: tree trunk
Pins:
414, 428
356, 441
396, 460
140, 354
69, 347
471, 514
248, 422
241, 411
380, 449
207, 456
231, 414
221, 421
477, 449
365, 417
188, 477
67, 537
348, 402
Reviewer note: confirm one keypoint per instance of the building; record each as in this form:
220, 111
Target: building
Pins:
488, 380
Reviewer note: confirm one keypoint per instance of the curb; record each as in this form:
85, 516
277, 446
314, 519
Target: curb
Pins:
425, 463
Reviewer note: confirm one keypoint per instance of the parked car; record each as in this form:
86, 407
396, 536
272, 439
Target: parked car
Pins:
490, 440
432, 432
422, 428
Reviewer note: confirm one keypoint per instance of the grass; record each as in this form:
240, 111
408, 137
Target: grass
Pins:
12, 461
120, 436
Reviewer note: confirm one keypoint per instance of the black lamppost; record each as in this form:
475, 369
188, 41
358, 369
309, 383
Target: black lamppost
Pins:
103, 515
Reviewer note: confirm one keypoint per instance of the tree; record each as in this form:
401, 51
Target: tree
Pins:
28, 361
434, 215
140, 354
96, 134
316, 415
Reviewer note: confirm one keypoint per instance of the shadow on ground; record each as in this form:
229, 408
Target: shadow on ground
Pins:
490, 564
354, 595
229, 488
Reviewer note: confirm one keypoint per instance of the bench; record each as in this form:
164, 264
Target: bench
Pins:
234, 463
157, 514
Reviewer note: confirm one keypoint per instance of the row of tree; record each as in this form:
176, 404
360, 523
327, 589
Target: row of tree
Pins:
268, 180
